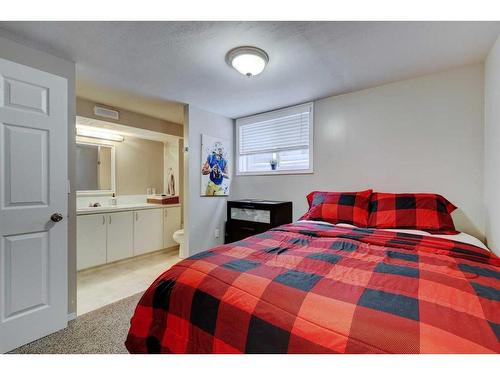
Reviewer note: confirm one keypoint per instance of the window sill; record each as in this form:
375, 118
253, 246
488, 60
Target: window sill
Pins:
272, 173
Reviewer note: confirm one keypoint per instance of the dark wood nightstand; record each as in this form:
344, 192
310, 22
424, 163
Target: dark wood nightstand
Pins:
248, 217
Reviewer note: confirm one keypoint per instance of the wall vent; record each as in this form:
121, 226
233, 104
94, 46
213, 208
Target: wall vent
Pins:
105, 112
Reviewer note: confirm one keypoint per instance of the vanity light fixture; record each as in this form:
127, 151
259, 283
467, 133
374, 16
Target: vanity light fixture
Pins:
247, 60
91, 133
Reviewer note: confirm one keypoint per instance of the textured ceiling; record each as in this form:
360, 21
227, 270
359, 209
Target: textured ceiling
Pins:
184, 61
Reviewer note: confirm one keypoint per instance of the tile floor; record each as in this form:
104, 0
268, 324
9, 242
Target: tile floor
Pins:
101, 286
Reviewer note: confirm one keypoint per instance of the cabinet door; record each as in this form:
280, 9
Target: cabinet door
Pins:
148, 231
120, 236
171, 223
90, 241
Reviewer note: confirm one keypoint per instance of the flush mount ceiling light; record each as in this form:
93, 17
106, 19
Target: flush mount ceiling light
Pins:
249, 61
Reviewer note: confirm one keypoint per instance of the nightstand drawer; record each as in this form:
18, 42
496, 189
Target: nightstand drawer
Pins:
251, 214
249, 217
238, 230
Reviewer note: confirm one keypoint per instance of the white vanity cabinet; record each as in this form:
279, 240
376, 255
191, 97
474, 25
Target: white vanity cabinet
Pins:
104, 238
90, 240
148, 231
111, 236
120, 240
171, 223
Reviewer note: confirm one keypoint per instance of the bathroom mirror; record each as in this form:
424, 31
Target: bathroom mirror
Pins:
95, 168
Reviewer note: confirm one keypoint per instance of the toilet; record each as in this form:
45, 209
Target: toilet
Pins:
178, 237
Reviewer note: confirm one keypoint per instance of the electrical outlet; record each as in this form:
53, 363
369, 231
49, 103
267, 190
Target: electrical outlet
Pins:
217, 233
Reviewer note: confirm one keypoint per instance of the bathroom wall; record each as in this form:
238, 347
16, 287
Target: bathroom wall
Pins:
85, 108
105, 168
136, 181
139, 165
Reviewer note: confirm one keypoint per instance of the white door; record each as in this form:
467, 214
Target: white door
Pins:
148, 231
171, 223
120, 236
90, 241
33, 189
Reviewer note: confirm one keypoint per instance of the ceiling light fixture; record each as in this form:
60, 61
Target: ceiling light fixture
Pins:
247, 60
91, 133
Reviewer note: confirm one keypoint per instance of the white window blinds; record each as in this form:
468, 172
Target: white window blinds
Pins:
276, 142
274, 132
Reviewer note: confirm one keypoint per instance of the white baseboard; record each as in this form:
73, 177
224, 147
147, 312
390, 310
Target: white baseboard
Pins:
71, 316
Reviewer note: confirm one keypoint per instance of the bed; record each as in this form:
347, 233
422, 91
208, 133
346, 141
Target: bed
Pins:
313, 287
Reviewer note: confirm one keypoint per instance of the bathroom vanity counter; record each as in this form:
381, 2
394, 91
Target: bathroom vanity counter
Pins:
122, 207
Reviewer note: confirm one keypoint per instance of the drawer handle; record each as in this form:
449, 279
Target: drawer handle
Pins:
248, 228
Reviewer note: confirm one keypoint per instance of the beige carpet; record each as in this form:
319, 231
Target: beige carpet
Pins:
99, 331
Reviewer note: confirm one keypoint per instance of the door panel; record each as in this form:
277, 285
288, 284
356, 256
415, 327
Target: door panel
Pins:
26, 166
172, 223
33, 186
148, 231
120, 236
25, 96
25, 273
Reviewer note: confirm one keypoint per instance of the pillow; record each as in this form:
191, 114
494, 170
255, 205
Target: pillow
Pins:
428, 212
339, 207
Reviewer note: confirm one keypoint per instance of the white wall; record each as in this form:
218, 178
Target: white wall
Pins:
202, 215
418, 135
492, 147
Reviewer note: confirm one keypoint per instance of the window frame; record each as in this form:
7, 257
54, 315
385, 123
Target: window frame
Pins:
268, 116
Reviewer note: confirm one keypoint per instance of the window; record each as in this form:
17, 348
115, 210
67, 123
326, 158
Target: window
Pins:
276, 142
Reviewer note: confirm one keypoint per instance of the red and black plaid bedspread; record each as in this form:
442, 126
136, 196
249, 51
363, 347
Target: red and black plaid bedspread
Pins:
312, 288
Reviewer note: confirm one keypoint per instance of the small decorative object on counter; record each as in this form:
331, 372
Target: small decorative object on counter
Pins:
112, 201
170, 182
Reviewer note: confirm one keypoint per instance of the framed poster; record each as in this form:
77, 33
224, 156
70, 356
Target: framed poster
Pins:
215, 166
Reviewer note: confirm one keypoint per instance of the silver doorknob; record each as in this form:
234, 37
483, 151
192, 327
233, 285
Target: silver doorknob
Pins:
56, 217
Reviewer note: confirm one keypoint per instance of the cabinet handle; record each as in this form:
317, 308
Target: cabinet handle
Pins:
110, 219
103, 219
250, 229
136, 216
166, 213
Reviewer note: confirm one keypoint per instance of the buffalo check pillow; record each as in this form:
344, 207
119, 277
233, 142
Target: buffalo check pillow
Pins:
339, 207
427, 212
